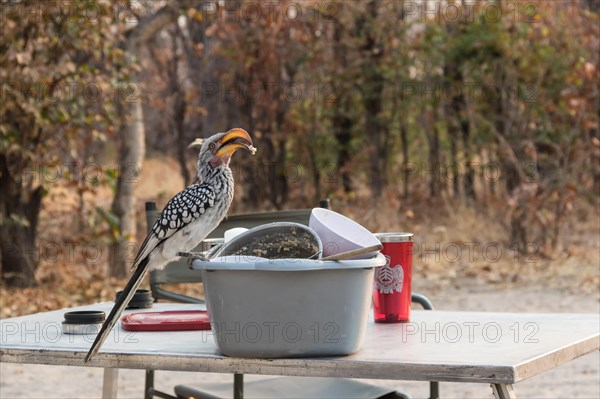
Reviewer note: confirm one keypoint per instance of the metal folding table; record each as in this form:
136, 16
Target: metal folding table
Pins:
499, 349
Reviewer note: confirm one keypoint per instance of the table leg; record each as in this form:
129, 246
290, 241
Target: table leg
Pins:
503, 391
238, 386
110, 383
434, 390
149, 385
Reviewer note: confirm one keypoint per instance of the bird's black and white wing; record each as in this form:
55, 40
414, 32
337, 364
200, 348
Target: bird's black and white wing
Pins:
184, 208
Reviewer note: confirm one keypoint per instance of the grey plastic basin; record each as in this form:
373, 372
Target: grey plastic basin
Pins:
289, 307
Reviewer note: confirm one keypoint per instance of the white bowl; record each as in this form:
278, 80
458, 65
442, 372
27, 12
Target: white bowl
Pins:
340, 234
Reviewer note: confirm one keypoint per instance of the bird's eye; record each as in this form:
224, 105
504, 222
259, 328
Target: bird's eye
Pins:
212, 146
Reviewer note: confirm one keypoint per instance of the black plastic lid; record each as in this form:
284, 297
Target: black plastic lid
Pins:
85, 317
141, 299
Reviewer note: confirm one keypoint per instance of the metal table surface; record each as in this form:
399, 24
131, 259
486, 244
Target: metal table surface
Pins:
500, 349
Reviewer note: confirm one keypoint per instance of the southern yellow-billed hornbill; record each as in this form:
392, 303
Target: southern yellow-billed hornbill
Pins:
187, 218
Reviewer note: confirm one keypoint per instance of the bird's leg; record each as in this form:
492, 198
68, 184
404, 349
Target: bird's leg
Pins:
192, 256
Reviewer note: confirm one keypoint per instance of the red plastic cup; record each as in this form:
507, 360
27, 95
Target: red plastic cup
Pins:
392, 286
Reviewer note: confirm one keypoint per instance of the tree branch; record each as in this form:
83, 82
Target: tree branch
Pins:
150, 25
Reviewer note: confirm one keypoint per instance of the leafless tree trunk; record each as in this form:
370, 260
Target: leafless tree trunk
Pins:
456, 109
312, 155
341, 120
131, 157
280, 187
511, 170
132, 150
405, 160
377, 132
433, 157
459, 107
342, 125
453, 167
19, 212
179, 107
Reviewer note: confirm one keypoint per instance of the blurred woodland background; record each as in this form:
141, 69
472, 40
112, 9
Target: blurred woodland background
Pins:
474, 124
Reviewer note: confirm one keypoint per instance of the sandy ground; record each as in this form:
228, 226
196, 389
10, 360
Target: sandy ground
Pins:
577, 379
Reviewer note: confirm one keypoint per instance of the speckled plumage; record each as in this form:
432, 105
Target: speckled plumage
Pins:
189, 216
185, 207
192, 203
186, 219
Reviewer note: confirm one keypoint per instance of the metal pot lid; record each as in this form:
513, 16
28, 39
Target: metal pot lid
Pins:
85, 317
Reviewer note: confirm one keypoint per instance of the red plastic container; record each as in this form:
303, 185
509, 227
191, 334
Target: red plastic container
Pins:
168, 320
392, 283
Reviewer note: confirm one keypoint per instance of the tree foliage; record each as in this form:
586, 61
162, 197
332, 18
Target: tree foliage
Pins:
59, 73
496, 105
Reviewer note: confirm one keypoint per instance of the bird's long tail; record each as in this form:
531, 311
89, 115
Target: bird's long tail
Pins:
121, 303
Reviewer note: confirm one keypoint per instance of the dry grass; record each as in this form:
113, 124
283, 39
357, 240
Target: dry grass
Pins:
453, 243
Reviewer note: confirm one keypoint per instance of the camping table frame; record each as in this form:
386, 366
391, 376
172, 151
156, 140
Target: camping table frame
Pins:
499, 349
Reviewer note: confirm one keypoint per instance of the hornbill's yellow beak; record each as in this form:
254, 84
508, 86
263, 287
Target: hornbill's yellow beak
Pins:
234, 140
